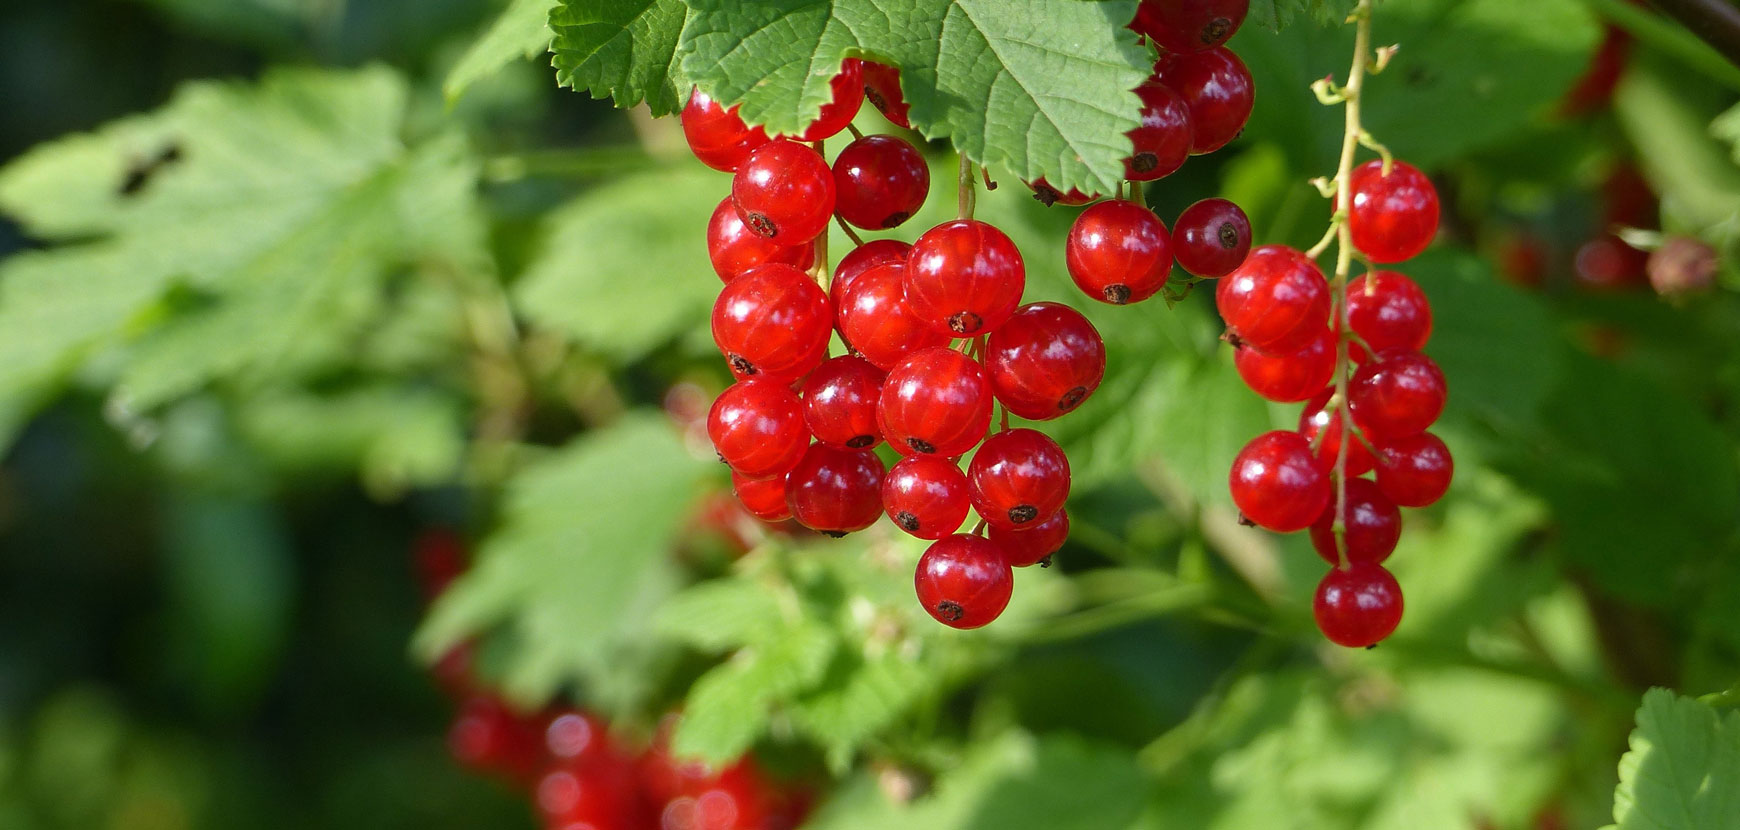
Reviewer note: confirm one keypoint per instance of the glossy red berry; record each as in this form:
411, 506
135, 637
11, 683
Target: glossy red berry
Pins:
762, 498
1358, 606
733, 248
879, 182
487, 735
1316, 419
963, 581
1018, 478
716, 135
1118, 252
772, 320
835, 491
1290, 377
840, 399
936, 402
1218, 90
1162, 142
1277, 482
875, 321
882, 89
1032, 544
1211, 238
1374, 525
1045, 361
926, 496
1277, 301
1392, 217
1416, 470
784, 191
964, 278
1189, 25
848, 89
1048, 195
857, 261
757, 426
1401, 393
1389, 311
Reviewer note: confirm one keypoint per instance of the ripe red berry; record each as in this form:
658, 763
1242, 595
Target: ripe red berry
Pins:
1416, 470
926, 496
1218, 90
575, 736
762, 498
489, 736
757, 426
1032, 543
1401, 393
785, 192
1045, 361
1278, 484
882, 89
964, 278
1018, 478
1211, 238
1316, 419
936, 402
1392, 217
716, 135
1358, 606
733, 249
848, 89
1118, 252
1189, 25
772, 320
875, 321
963, 581
1389, 311
857, 261
1374, 525
1290, 377
1276, 301
879, 182
835, 491
840, 399
1608, 262
1162, 142
1047, 195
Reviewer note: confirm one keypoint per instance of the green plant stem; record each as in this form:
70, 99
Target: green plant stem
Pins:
823, 274
1662, 34
966, 197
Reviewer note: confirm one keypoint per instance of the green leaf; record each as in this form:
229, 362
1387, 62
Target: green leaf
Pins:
1276, 15
860, 696
1671, 128
522, 31
622, 49
1726, 127
728, 708
400, 437
1043, 92
1683, 770
720, 614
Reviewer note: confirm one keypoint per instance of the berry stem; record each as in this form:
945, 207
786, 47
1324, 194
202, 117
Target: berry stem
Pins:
853, 128
822, 272
850, 234
967, 198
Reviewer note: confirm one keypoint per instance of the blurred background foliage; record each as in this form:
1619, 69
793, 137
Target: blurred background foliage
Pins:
289, 284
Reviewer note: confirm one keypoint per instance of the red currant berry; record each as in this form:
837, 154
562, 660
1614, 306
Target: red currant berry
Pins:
1189, 25
840, 399
875, 321
1218, 90
848, 89
1119, 252
734, 249
1045, 361
882, 88
936, 402
716, 135
785, 192
1211, 238
926, 496
1162, 142
1607, 262
1290, 377
1276, 301
1277, 482
963, 581
1416, 470
964, 278
1393, 217
835, 491
773, 319
1048, 195
758, 428
1032, 544
879, 182
1358, 606
1316, 419
860, 259
1019, 478
1401, 393
1389, 311
1374, 525
488, 735
762, 498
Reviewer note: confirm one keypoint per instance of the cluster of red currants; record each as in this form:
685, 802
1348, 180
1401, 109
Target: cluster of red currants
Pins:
1292, 332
